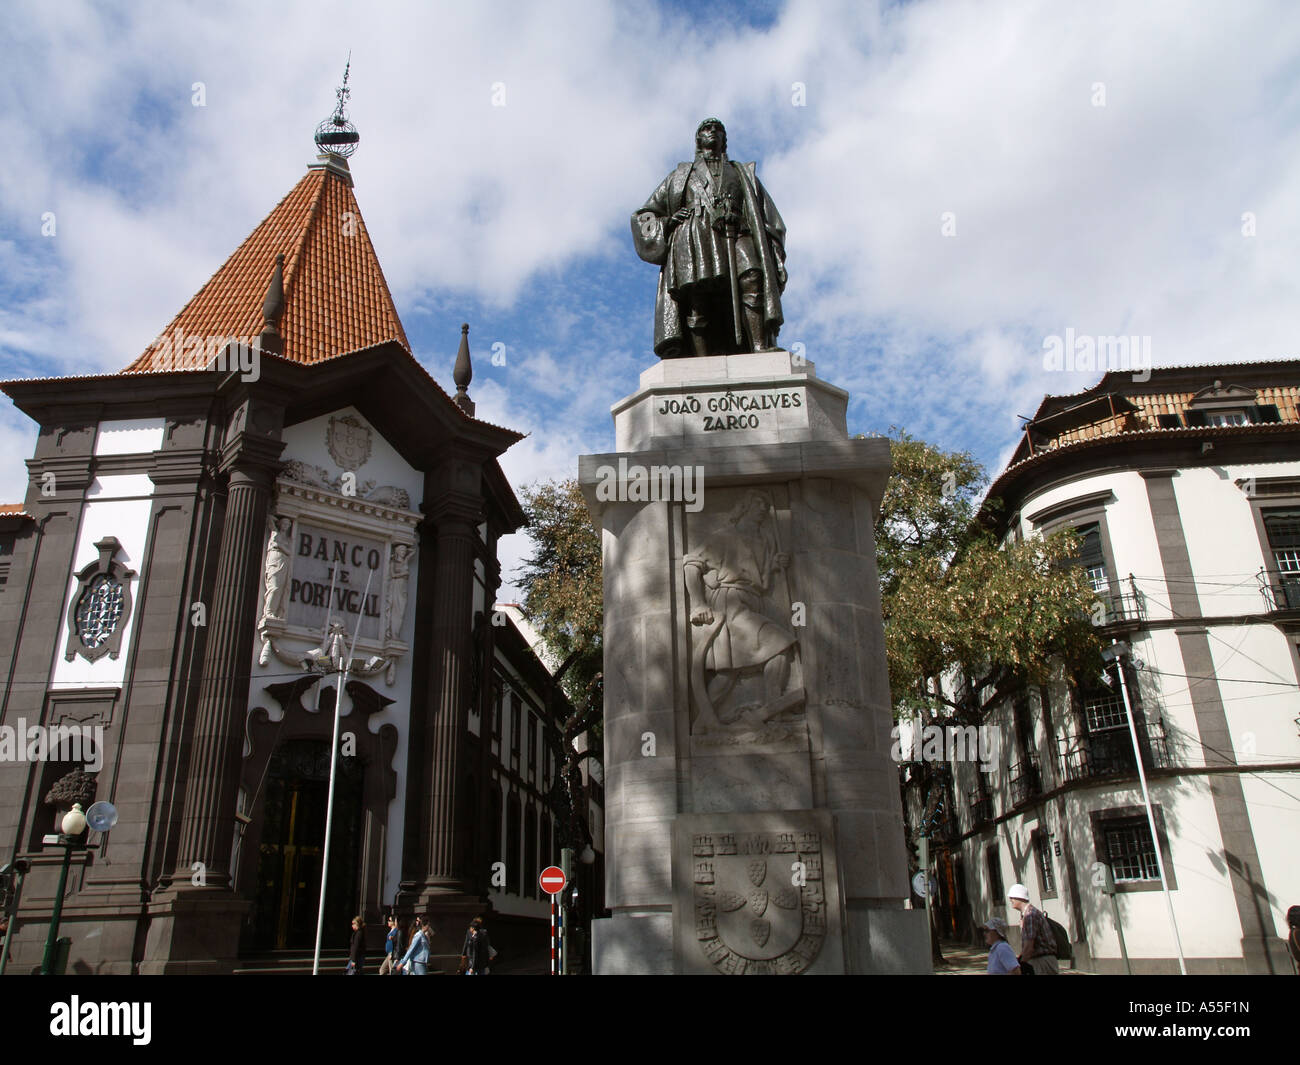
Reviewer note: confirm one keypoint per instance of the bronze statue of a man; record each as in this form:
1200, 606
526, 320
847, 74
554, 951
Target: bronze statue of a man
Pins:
720, 243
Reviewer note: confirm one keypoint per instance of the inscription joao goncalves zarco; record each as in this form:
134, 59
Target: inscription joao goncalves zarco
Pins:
749, 916
732, 410
323, 558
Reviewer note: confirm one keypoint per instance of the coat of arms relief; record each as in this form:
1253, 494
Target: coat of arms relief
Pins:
759, 900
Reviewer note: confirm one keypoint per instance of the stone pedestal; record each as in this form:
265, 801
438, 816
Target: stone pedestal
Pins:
753, 819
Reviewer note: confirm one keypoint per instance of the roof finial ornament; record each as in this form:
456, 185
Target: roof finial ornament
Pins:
273, 310
463, 373
336, 135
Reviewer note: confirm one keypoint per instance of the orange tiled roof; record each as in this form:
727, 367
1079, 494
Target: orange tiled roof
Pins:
11, 508
336, 298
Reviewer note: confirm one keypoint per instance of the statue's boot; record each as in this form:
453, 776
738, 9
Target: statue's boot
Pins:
754, 330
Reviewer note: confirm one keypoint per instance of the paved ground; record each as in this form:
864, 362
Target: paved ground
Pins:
959, 959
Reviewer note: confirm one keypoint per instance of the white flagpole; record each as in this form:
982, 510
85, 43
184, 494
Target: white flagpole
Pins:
334, 761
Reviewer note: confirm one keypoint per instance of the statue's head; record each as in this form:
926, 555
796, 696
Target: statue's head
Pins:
751, 507
712, 131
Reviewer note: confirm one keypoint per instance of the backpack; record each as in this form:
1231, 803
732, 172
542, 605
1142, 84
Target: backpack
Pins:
1064, 952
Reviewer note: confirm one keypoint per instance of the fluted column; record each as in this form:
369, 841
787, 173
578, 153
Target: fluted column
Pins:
451, 651
208, 821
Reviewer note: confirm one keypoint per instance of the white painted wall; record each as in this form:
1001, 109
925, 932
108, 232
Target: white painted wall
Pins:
130, 436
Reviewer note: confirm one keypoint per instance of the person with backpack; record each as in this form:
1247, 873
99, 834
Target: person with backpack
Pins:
1037, 942
415, 962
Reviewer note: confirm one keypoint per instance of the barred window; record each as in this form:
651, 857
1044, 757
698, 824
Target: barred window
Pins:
516, 714
99, 610
1283, 527
1106, 712
1091, 557
995, 874
1043, 852
1130, 850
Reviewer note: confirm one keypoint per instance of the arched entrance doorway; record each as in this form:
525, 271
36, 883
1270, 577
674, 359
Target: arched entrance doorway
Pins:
291, 851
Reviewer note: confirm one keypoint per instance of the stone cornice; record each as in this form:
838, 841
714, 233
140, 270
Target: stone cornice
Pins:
350, 510
72, 474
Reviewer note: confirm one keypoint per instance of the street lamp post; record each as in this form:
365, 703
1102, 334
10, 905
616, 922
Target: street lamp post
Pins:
341, 665
72, 825
1115, 652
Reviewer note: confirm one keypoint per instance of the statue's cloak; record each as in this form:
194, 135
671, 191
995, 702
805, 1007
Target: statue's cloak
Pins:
653, 243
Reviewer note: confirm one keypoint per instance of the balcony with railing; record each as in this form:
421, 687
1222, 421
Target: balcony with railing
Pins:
1280, 593
1088, 756
1120, 607
1026, 781
981, 809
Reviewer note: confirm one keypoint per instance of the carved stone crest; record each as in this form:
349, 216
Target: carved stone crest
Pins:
749, 917
348, 441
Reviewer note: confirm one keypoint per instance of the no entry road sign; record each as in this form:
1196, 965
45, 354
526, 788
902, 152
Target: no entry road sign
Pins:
552, 879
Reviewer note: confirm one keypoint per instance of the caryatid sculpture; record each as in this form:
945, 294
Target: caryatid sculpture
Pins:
720, 243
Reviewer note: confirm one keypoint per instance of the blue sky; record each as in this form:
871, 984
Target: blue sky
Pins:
960, 181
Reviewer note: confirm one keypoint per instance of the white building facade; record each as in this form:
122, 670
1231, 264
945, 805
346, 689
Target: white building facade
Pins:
1185, 490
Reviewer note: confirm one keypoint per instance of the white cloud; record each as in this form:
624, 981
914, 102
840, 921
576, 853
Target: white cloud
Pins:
1117, 219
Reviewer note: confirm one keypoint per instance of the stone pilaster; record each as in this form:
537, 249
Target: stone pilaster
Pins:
451, 651
195, 919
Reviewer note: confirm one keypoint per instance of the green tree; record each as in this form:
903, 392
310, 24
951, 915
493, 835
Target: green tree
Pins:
561, 581
957, 601
563, 598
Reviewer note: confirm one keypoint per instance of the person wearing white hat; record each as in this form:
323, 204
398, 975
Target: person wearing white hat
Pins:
1002, 959
1037, 943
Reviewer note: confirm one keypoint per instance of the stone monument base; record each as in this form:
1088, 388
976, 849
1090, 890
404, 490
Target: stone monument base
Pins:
753, 818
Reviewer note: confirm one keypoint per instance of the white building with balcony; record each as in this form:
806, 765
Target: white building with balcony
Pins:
1186, 491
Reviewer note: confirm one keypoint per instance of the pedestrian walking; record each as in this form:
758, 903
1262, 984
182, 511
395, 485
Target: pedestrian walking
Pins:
357, 953
477, 953
1002, 959
415, 962
393, 946
1037, 942
1293, 937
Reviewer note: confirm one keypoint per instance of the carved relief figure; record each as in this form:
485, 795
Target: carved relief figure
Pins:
728, 577
276, 576
399, 573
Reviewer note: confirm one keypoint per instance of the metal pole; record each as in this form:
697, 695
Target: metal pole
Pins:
11, 918
1128, 966
47, 961
566, 867
1151, 817
334, 763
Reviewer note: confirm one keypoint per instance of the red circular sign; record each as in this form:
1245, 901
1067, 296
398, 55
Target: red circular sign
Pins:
552, 879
